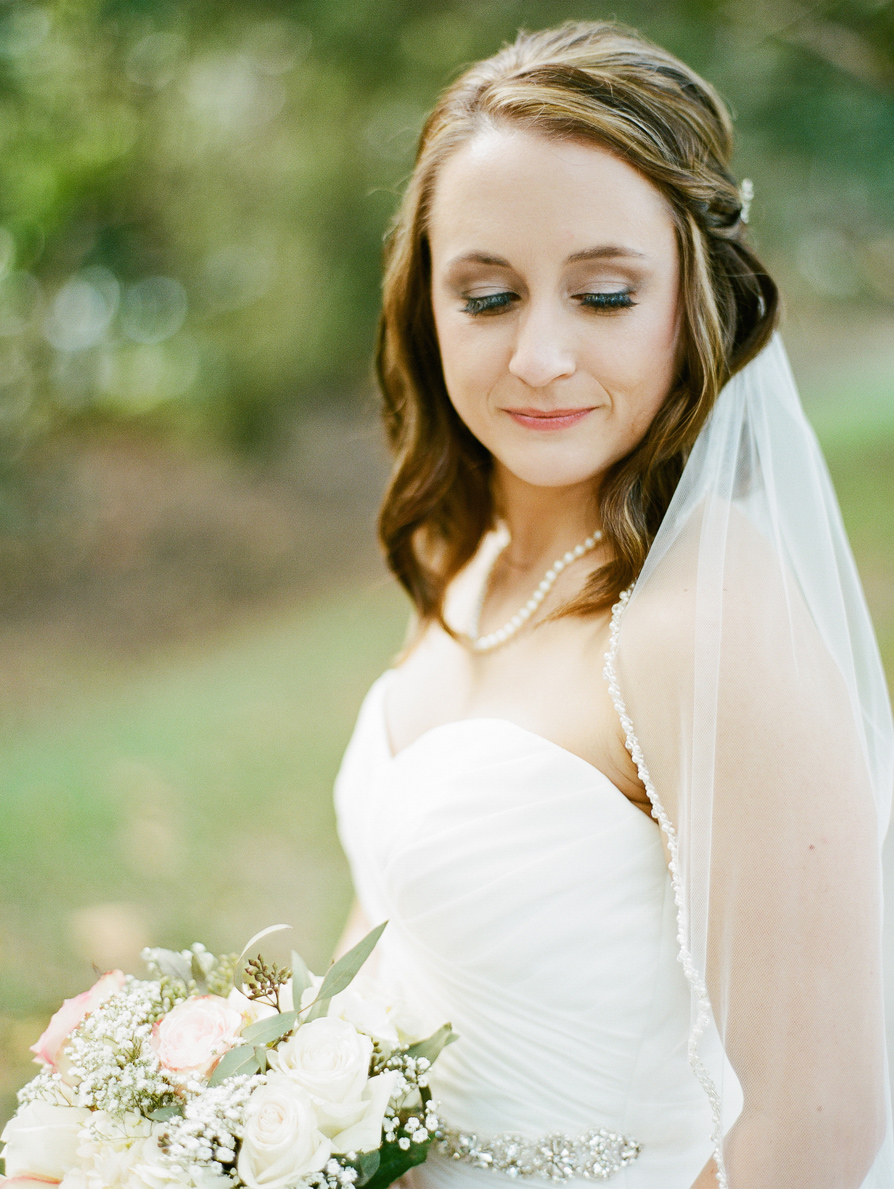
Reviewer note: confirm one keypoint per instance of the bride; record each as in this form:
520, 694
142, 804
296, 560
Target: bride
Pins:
621, 798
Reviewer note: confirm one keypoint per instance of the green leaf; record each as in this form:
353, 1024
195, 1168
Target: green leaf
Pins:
264, 933
172, 964
265, 1032
241, 1059
165, 1112
318, 1008
239, 971
432, 1045
394, 1162
301, 979
368, 1164
198, 973
341, 973
261, 1058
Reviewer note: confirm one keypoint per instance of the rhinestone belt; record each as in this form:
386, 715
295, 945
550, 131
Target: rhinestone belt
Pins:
594, 1155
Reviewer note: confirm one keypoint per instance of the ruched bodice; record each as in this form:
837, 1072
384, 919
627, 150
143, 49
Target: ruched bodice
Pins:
529, 903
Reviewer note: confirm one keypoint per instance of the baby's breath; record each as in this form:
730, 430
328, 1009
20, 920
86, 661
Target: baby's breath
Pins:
207, 1134
111, 1061
190, 1133
47, 1086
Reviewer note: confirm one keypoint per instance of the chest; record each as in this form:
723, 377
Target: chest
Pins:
548, 682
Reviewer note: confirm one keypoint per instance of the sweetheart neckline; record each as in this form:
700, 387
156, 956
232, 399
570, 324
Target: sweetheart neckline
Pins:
394, 756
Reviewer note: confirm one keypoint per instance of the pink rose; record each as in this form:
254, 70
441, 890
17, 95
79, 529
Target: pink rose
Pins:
70, 1014
194, 1035
24, 1182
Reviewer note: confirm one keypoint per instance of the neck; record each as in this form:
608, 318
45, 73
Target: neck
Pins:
543, 522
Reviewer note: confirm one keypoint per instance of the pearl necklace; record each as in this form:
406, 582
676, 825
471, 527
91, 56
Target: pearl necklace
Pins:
501, 635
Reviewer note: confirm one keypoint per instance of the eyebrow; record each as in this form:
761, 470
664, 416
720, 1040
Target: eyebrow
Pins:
605, 252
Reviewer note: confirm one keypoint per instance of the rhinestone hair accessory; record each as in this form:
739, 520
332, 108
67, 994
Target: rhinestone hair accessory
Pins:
594, 1155
746, 197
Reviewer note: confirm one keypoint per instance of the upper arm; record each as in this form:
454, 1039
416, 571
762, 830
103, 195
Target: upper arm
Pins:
749, 736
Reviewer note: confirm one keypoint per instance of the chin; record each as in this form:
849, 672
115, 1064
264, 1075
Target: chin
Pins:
545, 472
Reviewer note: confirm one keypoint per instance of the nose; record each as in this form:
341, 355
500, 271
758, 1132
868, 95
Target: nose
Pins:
543, 349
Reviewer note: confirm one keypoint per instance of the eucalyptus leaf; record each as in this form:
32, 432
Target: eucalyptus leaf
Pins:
341, 973
432, 1045
265, 1032
172, 964
165, 1112
369, 1166
301, 979
264, 933
198, 974
241, 1059
394, 1161
318, 1008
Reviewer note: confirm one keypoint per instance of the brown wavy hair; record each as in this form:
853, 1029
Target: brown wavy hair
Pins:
594, 82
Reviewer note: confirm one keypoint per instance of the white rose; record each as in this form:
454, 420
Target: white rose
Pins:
113, 1167
365, 1135
76, 1179
413, 1020
42, 1140
281, 1141
363, 1004
113, 1150
330, 1059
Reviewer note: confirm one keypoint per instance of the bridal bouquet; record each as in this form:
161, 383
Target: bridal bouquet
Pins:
216, 1073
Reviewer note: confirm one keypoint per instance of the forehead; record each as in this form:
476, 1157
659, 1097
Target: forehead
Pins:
509, 188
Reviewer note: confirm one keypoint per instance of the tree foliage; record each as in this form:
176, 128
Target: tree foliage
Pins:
193, 194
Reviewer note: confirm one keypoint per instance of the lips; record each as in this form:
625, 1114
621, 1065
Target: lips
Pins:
547, 419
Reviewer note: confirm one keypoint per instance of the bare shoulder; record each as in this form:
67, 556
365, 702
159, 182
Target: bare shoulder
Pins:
696, 592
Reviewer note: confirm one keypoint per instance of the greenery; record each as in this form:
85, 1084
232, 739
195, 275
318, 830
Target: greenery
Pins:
187, 799
195, 193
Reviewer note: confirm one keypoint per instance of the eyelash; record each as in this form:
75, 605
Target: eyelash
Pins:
620, 300
608, 301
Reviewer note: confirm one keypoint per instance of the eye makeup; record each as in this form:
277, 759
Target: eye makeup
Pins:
489, 303
492, 303
618, 300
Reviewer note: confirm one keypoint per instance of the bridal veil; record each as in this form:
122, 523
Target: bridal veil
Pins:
746, 670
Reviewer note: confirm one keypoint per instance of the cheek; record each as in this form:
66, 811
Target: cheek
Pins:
650, 357
471, 363
638, 373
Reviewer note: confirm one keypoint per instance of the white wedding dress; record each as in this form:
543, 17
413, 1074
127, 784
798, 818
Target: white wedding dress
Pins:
529, 903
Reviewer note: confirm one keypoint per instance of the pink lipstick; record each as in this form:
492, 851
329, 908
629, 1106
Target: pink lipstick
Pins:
547, 419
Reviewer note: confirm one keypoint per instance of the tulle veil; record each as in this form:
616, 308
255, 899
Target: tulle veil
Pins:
748, 678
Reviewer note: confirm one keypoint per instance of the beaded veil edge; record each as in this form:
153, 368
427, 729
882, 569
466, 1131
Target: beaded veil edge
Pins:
693, 976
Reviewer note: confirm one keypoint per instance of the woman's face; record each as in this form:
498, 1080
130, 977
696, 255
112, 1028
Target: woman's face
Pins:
555, 282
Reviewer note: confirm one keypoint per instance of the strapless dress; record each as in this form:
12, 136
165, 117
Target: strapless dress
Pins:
529, 903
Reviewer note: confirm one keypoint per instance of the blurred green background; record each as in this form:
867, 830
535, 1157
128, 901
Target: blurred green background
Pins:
192, 202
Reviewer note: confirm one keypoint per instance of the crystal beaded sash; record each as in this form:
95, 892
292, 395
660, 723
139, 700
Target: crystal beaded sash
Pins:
594, 1155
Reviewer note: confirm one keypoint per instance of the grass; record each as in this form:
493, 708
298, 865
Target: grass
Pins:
189, 796
187, 800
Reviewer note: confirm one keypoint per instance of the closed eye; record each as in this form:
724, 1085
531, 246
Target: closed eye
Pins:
490, 302
620, 300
